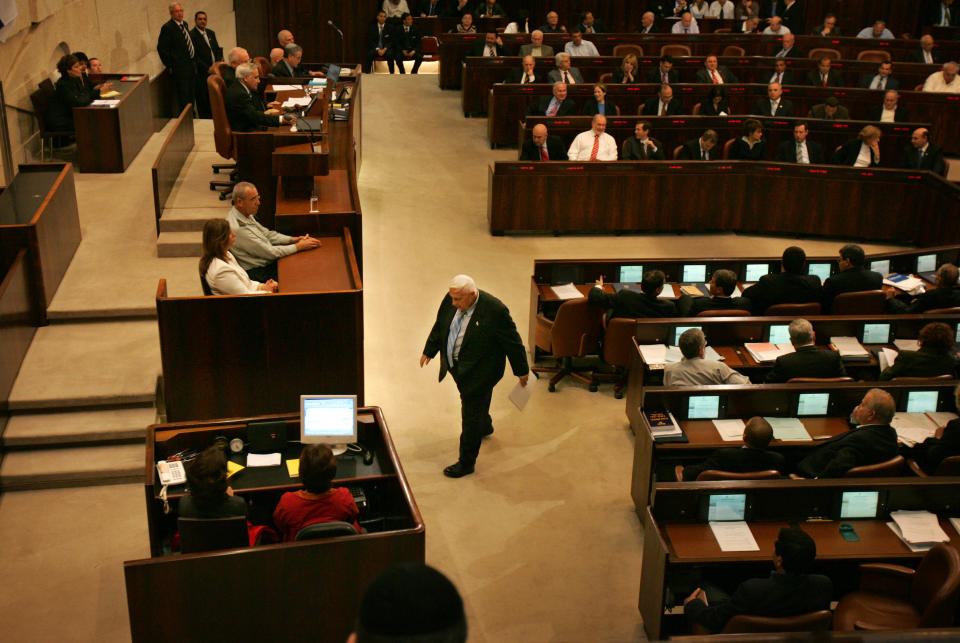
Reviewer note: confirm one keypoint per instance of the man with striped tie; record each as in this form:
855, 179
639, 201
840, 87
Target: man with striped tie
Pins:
178, 54
594, 144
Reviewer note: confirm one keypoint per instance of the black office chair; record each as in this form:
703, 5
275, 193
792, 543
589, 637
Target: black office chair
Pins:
329, 529
210, 534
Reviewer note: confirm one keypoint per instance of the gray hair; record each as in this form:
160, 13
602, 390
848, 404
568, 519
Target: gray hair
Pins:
561, 56
691, 341
172, 5
246, 70
234, 56
240, 191
463, 282
801, 332
881, 403
292, 49
952, 64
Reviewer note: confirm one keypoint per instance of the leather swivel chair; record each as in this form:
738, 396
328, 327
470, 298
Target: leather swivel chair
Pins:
812, 380
210, 534
222, 134
733, 50
675, 50
793, 310
889, 468
742, 623
329, 529
730, 312
864, 302
947, 467
943, 311
716, 474
824, 52
574, 333
726, 148
41, 100
617, 341
874, 55
264, 65
892, 597
622, 50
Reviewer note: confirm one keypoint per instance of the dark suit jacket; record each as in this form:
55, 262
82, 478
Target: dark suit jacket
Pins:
598, 27
795, 52
632, 150
867, 80
848, 153
555, 150
900, 115
653, 76
807, 361
819, 111
932, 159
280, 70
833, 78
70, 92
631, 304
741, 151
407, 40
921, 363
762, 107
245, 110
778, 595
554, 76
783, 288
652, 104
930, 300
868, 444
489, 340
590, 107
852, 280
703, 76
516, 75
788, 78
916, 56
691, 151
787, 152
792, 17
688, 306
707, 108
477, 49
539, 107
203, 52
442, 8
932, 451
619, 78
737, 460
172, 47
373, 36
931, 14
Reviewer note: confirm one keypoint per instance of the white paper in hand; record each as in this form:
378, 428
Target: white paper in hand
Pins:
520, 394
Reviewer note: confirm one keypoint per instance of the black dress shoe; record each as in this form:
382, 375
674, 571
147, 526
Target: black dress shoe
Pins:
458, 470
488, 432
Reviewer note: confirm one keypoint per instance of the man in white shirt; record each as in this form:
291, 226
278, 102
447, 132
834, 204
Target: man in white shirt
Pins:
944, 81
594, 144
699, 8
694, 370
580, 47
395, 8
889, 111
722, 9
878, 31
750, 25
776, 27
686, 25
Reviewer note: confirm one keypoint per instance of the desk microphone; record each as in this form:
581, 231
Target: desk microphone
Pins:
343, 44
298, 120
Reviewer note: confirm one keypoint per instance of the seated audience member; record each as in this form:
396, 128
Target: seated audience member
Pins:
699, 8
379, 43
890, 110
629, 70
774, 104
800, 150
807, 360
781, 74
687, 25
543, 147
490, 9
553, 24
580, 47
285, 37
663, 73
722, 285
395, 8
830, 110
944, 81
750, 25
589, 24
407, 39
663, 104
276, 55
776, 27
789, 48
465, 25
630, 304
459, 8
433, 9
750, 146
788, 591
715, 102
236, 57
752, 456
936, 355
600, 103
648, 22
556, 105
641, 146
853, 275
713, 72
410, 602
564, 73
527, 74
208, 495
828, 28
71, 91
823, 75
945, 295
255, 247
535, 47
95, 66
921, 154
864, 151
878, 31
594, 144
245, 109
700, 149
944, 444
219, 270
317, 501
491, 47
694, 370
748, 9
791, 12
927, 53
789, 286
723, 9
882, 79
289, 66
871, 442
940, 13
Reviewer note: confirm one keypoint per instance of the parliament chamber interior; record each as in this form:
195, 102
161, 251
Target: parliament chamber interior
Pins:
728, 247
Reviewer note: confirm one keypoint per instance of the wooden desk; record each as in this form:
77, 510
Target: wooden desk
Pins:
286, 579
109, 138
329, 268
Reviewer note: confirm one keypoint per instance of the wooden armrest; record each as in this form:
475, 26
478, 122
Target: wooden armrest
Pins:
864, 625
678, 472
915, 468
884, 578
794, 476
542, 334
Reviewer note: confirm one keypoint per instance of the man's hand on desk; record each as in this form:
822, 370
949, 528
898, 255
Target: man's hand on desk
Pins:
306, 242
697, 593
273, 111
424, 360
318, 73
270, 286
104, 87
274, 104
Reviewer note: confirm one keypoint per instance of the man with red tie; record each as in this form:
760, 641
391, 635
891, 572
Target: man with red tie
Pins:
823, 76
713, 73
594, 144
542, 147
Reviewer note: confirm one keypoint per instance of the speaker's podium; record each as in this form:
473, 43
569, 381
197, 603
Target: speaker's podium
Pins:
297, 167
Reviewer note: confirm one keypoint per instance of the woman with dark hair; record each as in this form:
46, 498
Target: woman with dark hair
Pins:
629, 71
209, 496
715, 102
72, 90
220, 274
935, 357
317, 501
600, 104
750, 146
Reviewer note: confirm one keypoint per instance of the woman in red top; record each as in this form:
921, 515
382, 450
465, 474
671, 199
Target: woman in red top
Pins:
316, 502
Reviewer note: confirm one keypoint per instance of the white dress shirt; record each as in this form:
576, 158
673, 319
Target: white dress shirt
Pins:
679, 28
935, 83
802, 155
395, 10
699, 12
228, 278
784, 29
582, 147
888, 115
586, 48
725, 11
865, 158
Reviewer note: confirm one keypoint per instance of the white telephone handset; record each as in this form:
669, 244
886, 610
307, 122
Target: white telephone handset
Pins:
171, 472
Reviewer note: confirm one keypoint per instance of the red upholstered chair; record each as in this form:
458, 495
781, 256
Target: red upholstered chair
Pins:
222, 134
726, 148
742, 623
622, 50
264, 65
735, 312
696, 110
947, 467
793, 310
812, 380
733, 50
892, 597
675, 50
891, 468
824, 52
606, 78
865, 302
617, 341
677, 150
430, 48
874, 55
716, 474
574, 333
943, 311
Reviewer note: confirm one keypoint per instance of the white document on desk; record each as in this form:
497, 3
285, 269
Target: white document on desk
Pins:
734, 536
287, 88
912, 428
667, 292
907, 344
297, 101
886, 357
263, 459
730, 430
105, 102
520, 394
788, 429
653, 353
919, 526
566, 291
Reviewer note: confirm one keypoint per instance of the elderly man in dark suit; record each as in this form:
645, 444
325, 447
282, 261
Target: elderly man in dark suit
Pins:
526, 74
722, 285
807, 360
945, 295
556, 105
889, 110
700, 149
921, 154
289, 66
714, 72
474, 335
542, 146
774, 104
824, 75
178, 54
800, 150
854, 275
927, 53
663, 104
752, 456
245, 109
789, 286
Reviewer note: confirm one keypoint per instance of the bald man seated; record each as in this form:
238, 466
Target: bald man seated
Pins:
752, 456
542, 146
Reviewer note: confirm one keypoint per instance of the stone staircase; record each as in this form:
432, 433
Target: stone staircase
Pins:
190, 205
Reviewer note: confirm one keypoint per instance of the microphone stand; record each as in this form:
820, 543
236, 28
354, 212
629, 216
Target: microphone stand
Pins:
343, 44
298, 120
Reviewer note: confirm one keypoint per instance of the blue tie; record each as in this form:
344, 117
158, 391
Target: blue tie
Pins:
454, 333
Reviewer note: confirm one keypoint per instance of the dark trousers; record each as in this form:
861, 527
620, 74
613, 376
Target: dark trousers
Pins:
203, 94
372, 54
417, 59
263, 273
184, 82
476, 422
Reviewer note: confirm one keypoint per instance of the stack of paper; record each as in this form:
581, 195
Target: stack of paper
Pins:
730, 430
886, 357
940, 418
299, 101
907, 283
667, 292
907, 344
850, 348
767, 352
112, 102
734, 536
691, 290
912, 428
566, 291
287, 88
656, 355
263, 459
920, 530
709, 353
788, 429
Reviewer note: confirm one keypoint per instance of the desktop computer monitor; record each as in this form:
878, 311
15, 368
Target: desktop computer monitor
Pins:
922, 401
927, 263
328, 419
694, 273
703, 407
778, 333
859, 504
876, 333
821, 270
813, 404
726, 507
882, 266
753, 271
631, 274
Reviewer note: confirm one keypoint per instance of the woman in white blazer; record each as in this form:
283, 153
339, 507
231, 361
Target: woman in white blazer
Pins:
220, 274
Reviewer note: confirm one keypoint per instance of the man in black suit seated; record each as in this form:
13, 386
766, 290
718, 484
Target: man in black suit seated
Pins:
788, 591
700, 149
789, 286
663, 73
245, 109
936, 355
434, 9
527, 74
823, 75
945, 295
589, 24
854, 275
871, 442
781, 74
631, 304
556, 105
807, 360
940, 13
800, 150
944, 444
921, 154
774, 104
208, 51
641, 146
543, 147
713, 72
890, 110
379, 43
752, 456
663, 104
176, 50
407, 39
491, 47
928, 52
722, 285
289, 66
882, 79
